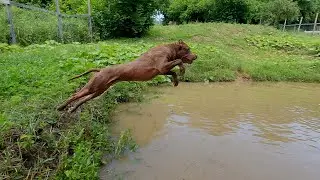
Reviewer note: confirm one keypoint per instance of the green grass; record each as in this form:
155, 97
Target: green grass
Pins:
260, 52
33, 27
38, 141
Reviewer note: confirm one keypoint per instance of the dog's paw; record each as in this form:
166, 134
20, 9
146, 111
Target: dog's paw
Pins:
182, 72
175, 83
60, 108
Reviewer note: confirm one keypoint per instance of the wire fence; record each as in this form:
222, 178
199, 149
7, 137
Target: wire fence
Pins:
310, 28
26, 24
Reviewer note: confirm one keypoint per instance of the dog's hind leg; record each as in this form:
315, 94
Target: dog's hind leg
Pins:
83, 92
92, 95
85, 99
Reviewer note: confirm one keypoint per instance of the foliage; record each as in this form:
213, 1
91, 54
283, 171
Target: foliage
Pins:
286, 43
40, 3
241, 11
231, 11
38, 142
191, 10
255, 11
7, 48
4, 30
279, 10
124, 18
33, 27
182, 11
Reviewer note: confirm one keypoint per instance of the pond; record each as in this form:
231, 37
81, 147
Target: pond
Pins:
246, 130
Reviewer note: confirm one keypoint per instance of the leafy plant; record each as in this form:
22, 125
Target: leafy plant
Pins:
286, 43
124, 18
125, 142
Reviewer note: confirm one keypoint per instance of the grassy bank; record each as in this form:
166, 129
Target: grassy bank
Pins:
37, 141
260, 53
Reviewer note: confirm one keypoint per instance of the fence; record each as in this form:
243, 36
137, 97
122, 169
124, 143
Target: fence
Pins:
67, 27
311, 28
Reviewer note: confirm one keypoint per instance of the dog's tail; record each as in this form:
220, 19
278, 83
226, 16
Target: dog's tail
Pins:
87, 72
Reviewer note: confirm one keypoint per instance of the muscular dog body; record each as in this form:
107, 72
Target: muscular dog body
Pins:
157, 61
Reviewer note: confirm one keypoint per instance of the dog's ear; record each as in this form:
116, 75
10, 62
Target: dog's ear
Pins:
180, 43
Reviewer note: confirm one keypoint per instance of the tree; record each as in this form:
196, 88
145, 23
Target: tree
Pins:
255, 11
124, 18
189, 10
278, 10
231, 10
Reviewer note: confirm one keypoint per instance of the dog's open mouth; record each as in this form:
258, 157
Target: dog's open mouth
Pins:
189, 59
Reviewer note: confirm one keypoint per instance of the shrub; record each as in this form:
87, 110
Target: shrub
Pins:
231, 11
191, 10
124, 18
207, 10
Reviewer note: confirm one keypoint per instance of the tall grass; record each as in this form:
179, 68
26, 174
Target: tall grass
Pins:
33, 27
38, 141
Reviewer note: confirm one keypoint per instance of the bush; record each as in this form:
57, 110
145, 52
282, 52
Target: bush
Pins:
231, 11
192, 10
124, 18
207, 10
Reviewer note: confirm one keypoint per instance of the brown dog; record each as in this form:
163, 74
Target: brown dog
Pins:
157, 61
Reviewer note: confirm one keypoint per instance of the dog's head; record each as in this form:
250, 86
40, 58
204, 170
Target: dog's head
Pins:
184, 53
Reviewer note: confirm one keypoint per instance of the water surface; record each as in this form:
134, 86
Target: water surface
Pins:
228, 131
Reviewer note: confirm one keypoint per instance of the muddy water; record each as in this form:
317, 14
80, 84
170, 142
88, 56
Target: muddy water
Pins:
228, 131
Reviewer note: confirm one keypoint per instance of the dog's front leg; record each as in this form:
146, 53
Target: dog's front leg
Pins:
166, 70
169, 65
182, 69
175, 80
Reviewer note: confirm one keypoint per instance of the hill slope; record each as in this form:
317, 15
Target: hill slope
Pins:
257, 52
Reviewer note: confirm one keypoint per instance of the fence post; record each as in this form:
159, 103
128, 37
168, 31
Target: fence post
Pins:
9, 13
59, 21
89, 20
300, 23
260, 20
315, 23
284, 24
